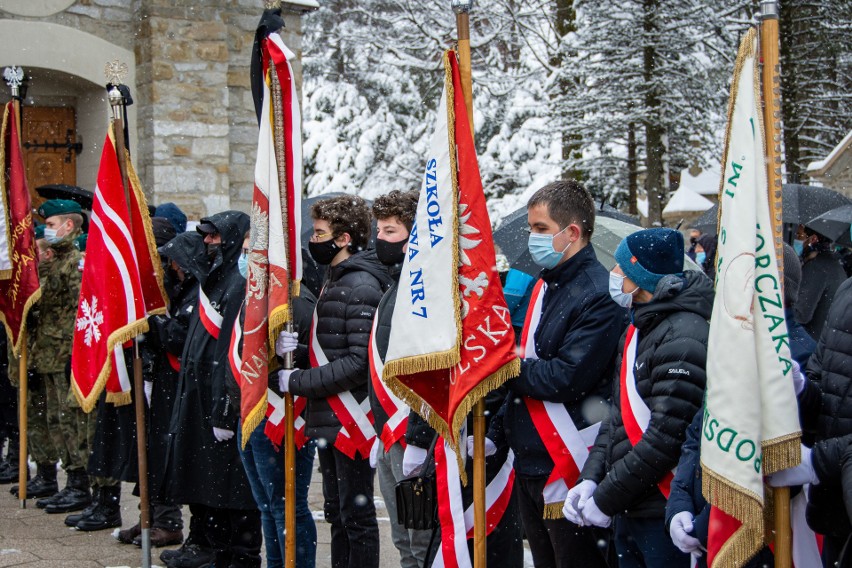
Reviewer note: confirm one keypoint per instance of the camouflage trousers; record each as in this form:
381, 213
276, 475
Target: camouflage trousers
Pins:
57, 428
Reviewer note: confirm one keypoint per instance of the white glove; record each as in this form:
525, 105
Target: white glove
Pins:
284, 380
798, 378
490, 447
799, 475
374, 452
286, 343
592, 516
148, 387
679, 530
576, 500
222, 434
413, 460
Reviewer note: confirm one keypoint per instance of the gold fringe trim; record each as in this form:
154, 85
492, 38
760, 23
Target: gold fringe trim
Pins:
119, 398
781, 453
742, 505
454, 177
5, 274
119, 336
295, 288
253, 420
747, 49
552, 512
22, 334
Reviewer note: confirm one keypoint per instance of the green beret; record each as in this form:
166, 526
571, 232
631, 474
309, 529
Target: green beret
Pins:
58, 207
39, 231
80, 242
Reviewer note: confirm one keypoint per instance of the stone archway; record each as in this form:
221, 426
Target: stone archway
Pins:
53, 53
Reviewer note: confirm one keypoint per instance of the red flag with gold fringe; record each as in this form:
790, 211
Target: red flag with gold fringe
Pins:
122, 284
18, 255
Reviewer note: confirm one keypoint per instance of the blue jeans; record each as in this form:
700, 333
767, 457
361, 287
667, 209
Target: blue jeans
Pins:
265, 471
645, 543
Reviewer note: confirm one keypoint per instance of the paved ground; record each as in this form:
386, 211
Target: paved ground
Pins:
30, 537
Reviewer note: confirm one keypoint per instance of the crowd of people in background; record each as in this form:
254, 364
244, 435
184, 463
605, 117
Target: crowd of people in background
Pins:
626, 508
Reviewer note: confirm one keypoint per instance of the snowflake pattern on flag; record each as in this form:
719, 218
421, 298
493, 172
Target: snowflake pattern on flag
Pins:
90, 321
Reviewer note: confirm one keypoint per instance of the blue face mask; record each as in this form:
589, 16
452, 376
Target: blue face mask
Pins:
799, 246
542, 252
242, 264
616, 283
700, 257
51, 236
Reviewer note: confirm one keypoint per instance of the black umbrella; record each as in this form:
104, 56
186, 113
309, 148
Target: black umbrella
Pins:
801, 204
834, 224
512, 235
606, 210
63, 191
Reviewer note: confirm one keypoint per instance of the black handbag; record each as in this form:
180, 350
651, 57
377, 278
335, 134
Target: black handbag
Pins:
417, 497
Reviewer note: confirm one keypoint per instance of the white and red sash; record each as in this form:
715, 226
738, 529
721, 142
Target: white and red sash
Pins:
456, 521
210, 318
807, 545
635, 414
356, 419
567, 445
234, 355
397, 411
276, 425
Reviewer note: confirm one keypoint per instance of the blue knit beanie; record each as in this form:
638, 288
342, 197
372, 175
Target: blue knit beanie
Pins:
646, 256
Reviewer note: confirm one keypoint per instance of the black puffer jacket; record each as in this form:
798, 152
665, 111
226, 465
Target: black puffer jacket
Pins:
345, 311
670, 377
826, 411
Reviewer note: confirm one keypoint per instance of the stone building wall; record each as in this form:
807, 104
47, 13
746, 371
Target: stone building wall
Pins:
196, 131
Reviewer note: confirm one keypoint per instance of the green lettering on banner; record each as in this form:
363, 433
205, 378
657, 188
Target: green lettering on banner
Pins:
746, 443
719, 442
732, 181
745, 449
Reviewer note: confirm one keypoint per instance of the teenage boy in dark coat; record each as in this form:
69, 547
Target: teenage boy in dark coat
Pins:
629, 469
575, 344
353, 288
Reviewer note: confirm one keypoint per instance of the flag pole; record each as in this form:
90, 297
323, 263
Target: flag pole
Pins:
462, 10
771, 91
289, 362
23, 466
116, 101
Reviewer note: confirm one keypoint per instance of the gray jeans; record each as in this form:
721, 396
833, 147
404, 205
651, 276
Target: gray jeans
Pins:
412, 545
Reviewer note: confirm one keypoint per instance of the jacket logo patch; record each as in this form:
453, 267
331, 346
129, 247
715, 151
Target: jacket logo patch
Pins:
678, 372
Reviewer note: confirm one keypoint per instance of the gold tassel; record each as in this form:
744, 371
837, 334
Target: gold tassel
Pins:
552, 512
119, 398
781, 453
742, 505
253, 420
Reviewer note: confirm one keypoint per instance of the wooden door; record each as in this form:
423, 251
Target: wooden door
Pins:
50, 151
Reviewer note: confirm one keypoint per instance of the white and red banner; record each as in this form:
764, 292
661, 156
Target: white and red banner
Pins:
567, 445
275, 255
121, 287
18, 255
397, 411
356, 433
751, 425
454, 343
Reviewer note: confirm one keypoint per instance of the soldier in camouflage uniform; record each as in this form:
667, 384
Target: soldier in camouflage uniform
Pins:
53, 335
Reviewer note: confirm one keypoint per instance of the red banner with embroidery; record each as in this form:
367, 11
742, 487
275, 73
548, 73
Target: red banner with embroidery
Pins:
121, 287
18, 256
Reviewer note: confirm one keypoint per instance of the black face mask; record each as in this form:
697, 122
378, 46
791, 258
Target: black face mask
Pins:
213, 250
390, 253
323, 252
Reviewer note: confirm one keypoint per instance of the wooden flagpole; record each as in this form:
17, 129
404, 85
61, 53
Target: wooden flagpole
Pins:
462, 10
116, 101
23, 465
289, 363
771, 91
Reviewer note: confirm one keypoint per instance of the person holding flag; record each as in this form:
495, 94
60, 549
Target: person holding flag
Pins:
657, 391
568, 344
336, 385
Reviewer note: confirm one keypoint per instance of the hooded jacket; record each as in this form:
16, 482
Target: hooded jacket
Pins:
345, 310
200, 469
670, 377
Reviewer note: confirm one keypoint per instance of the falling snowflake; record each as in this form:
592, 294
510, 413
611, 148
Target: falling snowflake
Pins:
90, 321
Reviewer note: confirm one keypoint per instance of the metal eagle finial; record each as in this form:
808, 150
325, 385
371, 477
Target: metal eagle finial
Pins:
115, 72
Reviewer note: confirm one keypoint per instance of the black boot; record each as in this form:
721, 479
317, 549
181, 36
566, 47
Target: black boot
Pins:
43, 484
9, 473
72, 520
76, 496
107, 514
